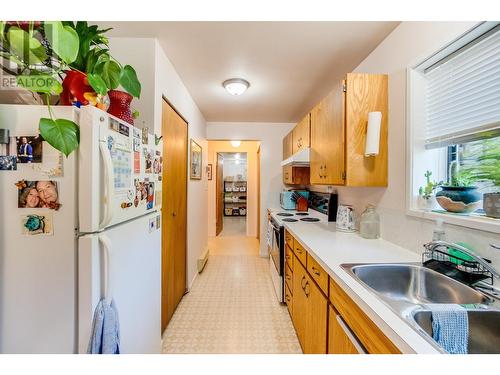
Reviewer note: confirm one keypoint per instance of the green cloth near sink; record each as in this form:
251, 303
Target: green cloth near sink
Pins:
450, 327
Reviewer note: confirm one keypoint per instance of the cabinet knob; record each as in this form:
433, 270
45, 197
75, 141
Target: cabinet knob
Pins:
315, 271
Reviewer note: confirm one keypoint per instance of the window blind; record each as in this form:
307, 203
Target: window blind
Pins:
463, 94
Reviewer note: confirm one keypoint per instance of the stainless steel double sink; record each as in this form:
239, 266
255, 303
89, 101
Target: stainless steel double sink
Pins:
407, 288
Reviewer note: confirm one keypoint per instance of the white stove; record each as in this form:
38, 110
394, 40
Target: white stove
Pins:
291, 216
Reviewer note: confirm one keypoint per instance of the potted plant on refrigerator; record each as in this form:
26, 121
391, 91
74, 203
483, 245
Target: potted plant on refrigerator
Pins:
69, 61
460, 194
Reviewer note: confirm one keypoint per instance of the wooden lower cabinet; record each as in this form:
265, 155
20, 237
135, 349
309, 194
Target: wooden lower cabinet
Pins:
340, 338
309, 312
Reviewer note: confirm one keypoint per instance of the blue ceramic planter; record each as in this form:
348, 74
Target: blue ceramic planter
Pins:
459, 199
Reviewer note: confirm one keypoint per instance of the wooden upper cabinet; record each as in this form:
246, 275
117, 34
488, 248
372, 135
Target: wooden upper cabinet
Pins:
338, 133
301, 135
287, 146
365, 93
327, 139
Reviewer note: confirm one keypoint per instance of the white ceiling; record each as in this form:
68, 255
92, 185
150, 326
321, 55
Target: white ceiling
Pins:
290, 65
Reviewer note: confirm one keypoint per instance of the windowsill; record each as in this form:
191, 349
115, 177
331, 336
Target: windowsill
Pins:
473, 221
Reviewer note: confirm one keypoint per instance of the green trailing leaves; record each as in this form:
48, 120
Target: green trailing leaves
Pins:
129, 81
64, 40
62, 134
43, 83
97, 84
24, 47
110, 73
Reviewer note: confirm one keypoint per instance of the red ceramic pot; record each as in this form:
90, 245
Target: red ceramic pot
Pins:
119, 105
75, 85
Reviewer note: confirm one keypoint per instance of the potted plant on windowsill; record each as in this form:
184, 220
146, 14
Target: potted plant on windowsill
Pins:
426, 197
459, 195
486, 167
69, 61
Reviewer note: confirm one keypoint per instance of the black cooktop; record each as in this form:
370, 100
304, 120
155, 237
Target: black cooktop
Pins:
310, 219
290, 220
301, 214
284, 214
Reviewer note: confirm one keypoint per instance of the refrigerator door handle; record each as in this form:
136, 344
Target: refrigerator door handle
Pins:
108, 268
109, 189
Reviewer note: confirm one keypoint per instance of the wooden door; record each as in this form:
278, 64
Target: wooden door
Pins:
299, 302
301, 135
174, 211
316, 318
340, 339
365, 93
219, 224
327, 165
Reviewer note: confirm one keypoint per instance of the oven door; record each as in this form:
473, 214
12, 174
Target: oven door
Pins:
276, 251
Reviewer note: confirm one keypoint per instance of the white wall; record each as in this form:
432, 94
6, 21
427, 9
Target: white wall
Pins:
407, 45
169, 85
121, 50
271, 152
233, 169
159, 78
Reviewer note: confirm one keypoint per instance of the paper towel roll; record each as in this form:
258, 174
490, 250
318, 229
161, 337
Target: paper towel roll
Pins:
373, 133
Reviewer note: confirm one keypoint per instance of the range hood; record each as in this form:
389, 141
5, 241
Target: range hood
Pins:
299, 159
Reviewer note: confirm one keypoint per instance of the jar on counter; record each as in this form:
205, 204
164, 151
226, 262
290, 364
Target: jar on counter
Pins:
369, 225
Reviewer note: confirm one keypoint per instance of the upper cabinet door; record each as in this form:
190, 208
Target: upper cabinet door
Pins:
287, 146
301, 135
327, 161
365, 93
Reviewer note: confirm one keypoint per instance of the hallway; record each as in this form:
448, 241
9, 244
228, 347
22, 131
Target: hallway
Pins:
231, 307
234, 226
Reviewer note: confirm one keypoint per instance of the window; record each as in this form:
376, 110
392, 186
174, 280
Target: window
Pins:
454, 118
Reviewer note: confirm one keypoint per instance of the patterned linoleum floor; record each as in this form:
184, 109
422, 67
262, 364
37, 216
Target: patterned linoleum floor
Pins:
231, 307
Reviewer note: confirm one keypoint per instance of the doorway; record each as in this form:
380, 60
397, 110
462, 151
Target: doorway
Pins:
174, 211
234, 192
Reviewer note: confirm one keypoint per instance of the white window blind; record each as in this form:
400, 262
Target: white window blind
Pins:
463, 93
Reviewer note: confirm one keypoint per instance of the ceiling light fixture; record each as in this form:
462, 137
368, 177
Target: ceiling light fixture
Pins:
236, 86
236, 144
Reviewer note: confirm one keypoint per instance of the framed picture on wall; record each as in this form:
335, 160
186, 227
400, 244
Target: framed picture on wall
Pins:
209, 172
196, 160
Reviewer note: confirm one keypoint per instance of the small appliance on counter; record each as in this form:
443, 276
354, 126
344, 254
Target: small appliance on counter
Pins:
286, 198
345, 218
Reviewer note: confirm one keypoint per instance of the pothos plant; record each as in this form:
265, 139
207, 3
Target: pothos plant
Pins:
39, 55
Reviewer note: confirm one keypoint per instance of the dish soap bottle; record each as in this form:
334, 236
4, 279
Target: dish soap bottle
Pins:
369, 225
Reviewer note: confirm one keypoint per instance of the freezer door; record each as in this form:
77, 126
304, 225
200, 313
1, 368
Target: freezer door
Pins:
38, 267
132, 276
117, 175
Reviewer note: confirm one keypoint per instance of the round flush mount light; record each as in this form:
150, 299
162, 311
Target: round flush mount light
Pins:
236, 144
236, 86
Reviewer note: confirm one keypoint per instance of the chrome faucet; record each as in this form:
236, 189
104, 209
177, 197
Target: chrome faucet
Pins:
433, 245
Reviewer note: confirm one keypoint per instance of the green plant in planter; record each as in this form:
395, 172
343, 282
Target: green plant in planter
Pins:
427, 190
42, 53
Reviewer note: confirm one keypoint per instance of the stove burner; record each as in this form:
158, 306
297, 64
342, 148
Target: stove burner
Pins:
301, 214
290, 220
310, 219
284, 214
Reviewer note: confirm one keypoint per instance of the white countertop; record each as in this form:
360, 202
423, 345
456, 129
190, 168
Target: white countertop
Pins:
331, 248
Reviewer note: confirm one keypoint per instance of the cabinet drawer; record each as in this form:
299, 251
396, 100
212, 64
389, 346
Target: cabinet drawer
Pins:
289, 256
289, 300
289, 277
288, 239
317, 273
300, 252
370, 336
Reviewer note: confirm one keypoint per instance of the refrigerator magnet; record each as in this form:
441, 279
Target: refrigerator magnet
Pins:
38, 194
8, 163
145, 136
37, 224
29, 149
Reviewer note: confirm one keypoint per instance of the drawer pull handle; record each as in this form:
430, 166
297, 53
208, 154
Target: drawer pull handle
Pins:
306, 289
302, 282
299, 250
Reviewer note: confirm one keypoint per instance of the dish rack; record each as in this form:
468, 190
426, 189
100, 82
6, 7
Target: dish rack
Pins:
462, 269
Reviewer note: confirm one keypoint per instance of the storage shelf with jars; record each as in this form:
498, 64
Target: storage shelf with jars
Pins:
235, 198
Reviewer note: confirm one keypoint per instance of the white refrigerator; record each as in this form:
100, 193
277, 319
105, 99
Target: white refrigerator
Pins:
74, 230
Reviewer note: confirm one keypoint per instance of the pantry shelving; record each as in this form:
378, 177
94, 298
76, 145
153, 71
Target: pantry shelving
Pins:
235, 198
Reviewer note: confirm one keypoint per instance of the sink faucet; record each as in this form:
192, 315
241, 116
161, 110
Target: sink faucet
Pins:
433, 245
